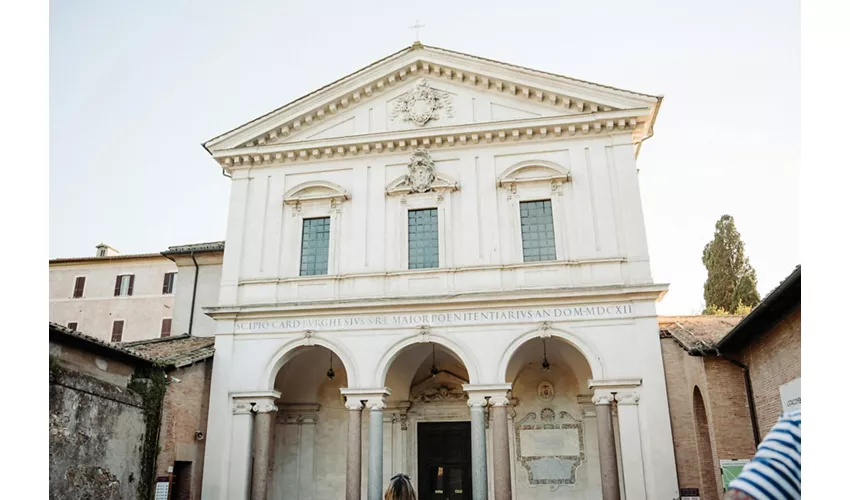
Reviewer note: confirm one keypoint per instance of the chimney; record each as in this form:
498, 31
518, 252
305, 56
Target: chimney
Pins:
104, 250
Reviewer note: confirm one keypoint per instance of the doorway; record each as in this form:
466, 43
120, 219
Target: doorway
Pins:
445, 461
181, 488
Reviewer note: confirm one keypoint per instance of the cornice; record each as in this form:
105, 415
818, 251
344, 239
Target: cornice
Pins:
605, 123
561, 92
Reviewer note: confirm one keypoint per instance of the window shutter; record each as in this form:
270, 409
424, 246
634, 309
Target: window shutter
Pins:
117, 330
165, 283
166, 327
79, 285
118, 285
130, 288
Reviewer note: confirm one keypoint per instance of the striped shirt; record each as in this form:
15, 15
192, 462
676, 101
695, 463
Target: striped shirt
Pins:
774, 473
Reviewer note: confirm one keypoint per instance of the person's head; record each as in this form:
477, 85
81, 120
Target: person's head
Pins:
400, 488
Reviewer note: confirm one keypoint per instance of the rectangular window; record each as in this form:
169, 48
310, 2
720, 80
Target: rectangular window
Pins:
124, 285
538, 231
166, 328
423, 249
315, 238
117, 330
168, 283
79, 286
72, 325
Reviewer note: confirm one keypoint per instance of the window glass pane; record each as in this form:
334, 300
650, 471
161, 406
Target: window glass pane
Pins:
125, 285
168, 283
315, 238
538, 231
423, 249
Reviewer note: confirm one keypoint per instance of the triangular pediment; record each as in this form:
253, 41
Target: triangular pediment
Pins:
424, 87
408, 106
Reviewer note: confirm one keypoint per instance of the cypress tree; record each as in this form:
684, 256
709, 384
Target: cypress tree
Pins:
731, 283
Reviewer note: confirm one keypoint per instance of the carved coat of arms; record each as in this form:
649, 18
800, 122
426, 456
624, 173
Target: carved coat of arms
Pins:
422, 104
420, 171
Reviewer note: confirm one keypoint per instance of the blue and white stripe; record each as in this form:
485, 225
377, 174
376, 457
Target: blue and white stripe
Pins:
774, 473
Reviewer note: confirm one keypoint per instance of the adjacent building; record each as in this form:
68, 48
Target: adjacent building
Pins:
187, 361
729, 378
98, 431
438, 266
114, 297
126, 418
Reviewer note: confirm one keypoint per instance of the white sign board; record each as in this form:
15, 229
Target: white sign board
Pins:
790, 395
161, 491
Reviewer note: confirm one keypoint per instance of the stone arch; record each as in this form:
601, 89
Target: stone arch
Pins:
702, 436
287, 352
533, 171
458, 350
594, 361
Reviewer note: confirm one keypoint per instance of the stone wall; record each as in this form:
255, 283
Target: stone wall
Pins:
774, 360
97, 432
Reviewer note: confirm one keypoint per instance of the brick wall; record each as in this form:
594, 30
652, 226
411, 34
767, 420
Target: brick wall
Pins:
679, 393
185, 412
721, 385
774, 359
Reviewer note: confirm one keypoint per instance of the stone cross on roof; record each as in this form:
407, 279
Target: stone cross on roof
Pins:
416, 27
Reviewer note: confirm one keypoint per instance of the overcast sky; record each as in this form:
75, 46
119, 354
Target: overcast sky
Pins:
136, 87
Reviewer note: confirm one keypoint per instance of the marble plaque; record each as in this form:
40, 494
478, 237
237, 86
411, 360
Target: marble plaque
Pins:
548, 469
549, 442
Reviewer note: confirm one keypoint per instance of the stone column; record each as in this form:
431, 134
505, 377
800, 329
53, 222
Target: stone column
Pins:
607, 446
501, 449
630, 445
239, 473
264, 417
374, 482
479, 448
352, 465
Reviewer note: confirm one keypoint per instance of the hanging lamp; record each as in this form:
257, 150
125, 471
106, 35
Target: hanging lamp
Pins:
434, 370
331, 369
545, 363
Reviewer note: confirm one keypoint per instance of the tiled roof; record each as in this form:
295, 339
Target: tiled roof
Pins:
67, 333
106, 258
212, 246
697, 333
177, 351
775, 306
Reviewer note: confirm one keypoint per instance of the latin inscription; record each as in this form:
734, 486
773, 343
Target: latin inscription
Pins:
437, 319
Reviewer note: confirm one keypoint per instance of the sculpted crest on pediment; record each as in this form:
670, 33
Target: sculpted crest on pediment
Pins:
422, 104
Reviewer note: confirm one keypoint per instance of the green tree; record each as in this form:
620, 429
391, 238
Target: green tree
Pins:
731, 283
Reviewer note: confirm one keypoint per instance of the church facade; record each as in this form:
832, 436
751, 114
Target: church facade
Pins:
438, 266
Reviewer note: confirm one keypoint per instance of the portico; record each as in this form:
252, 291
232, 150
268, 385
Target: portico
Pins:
437, 266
